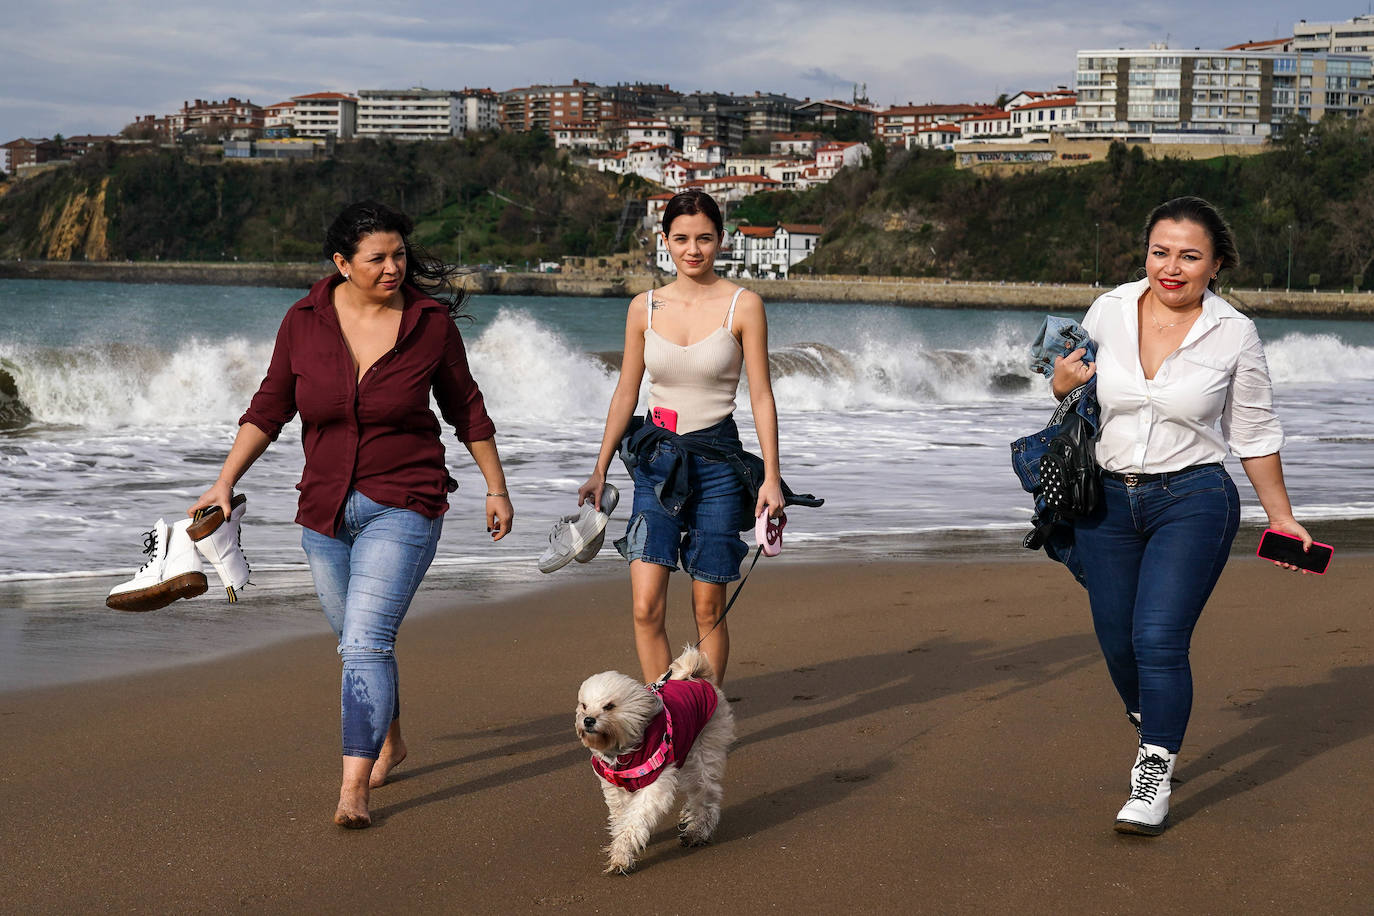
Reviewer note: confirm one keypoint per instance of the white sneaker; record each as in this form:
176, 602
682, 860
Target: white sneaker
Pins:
173, 571
610, 498
219, 542
1148, 807
575, 536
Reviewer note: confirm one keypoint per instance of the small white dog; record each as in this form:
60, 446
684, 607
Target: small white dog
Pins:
646, 742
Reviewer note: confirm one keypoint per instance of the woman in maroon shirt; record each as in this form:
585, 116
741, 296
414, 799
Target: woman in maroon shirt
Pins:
357, 358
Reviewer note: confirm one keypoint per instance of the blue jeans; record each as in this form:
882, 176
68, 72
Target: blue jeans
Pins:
1152, 554
704, 534
365, 576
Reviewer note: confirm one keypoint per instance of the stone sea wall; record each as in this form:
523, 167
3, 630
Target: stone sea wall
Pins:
931, 293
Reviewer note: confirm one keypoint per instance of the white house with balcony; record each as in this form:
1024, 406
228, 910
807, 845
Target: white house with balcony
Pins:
646, 133
978, 127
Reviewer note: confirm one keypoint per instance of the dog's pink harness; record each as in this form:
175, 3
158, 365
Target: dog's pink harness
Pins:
687, 707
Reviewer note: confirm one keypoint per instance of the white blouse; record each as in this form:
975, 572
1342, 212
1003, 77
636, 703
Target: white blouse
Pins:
1168, 423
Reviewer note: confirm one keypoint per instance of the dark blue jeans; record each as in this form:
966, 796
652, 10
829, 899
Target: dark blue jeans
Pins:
1152, 554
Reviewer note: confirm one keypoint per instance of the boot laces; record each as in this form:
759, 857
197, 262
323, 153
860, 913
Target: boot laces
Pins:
149, 548
1147, 782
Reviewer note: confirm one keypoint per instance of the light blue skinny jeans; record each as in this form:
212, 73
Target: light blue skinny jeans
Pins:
365, 576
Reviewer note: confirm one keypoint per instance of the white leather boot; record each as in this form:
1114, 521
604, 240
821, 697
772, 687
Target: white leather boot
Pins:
1148, 807
173, 571
218, 541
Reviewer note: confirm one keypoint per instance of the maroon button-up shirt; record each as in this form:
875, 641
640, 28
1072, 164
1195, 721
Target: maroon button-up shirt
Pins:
378, 435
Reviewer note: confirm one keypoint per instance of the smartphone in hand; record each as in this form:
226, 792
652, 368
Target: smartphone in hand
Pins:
1284, 548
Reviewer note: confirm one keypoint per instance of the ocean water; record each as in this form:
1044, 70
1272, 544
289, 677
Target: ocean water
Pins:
899, 417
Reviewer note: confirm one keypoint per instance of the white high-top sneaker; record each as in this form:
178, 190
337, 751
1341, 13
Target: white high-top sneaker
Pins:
1148, 807
173, 571
219, 543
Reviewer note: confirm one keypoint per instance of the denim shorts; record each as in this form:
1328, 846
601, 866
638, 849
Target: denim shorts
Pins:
703, 536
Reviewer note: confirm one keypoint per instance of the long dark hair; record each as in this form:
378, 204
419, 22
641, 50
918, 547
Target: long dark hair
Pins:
425, 272
1197, 210
689, 203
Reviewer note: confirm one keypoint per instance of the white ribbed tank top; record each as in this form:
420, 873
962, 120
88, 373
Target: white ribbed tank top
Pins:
698, 381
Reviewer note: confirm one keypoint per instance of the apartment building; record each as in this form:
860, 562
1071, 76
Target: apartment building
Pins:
1197, 95
828, 112
481, 110
232, 117
713, 115
27, 151
325, 114
933, 136
1353, 36
895, 125
409, 114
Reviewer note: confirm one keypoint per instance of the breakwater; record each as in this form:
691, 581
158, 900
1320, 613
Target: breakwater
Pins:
927, 292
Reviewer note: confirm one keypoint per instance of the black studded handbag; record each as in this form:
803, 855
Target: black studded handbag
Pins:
1069, 481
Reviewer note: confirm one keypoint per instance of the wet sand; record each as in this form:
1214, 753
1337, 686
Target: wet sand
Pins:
913, 736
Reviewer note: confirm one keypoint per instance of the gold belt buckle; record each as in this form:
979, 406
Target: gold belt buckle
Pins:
1130, 480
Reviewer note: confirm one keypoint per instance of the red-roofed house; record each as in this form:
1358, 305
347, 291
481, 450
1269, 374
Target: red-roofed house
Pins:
995, 124
769, 251
26, 151
798, 143
1273, 44
894, 125
324, 114
834, 156
1055, 113
933, 136
653, 211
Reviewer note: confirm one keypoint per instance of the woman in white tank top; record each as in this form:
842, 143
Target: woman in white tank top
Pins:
693, 336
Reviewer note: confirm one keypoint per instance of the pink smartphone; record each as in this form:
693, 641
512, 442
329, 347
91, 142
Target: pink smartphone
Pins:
1284, 548
664, 417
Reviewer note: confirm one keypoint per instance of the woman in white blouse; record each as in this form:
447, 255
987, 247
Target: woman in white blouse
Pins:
1173, 359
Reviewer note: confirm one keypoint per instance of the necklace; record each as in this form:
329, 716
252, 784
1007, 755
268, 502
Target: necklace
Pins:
1161, 328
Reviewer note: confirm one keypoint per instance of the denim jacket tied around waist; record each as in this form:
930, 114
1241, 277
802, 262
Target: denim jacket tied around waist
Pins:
717, 443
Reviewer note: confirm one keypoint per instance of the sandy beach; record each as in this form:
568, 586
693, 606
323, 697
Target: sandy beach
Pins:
913, 737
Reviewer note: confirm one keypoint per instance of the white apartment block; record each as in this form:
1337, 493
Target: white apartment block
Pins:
1354, 36
1197, 95
481, 110
324, 114
410, 114
281, 114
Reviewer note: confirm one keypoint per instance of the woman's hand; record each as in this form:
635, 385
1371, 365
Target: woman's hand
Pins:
219, 494
1070, 372
592, 490
500, 515
770, 499
1291, 527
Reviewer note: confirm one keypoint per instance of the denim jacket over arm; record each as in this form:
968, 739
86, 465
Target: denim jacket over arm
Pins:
717, 443
1058, 337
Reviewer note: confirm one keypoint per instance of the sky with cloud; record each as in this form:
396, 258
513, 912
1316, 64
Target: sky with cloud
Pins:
76, 66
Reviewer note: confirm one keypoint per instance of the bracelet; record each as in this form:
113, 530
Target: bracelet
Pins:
504, 493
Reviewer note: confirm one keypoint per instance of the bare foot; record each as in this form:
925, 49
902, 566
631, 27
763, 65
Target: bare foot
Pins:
390, 757
352, 811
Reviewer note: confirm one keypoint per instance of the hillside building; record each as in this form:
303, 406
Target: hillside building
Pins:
409, 114
325, 114
1245, 96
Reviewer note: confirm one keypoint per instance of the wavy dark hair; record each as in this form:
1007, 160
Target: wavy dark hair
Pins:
425, 272
1197, 210
689, 203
